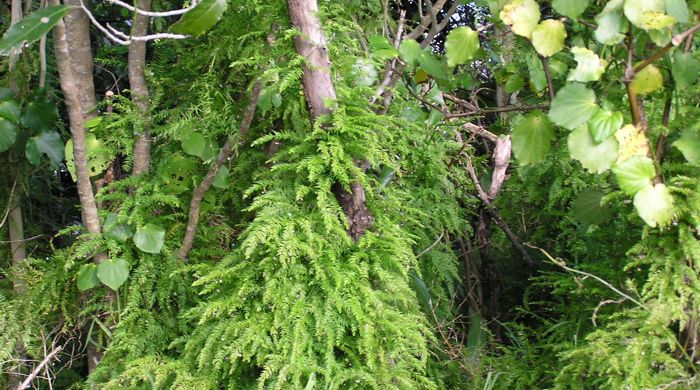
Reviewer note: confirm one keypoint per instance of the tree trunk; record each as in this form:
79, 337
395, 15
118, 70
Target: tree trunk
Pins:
139, 89
77, 32
319, 90
78, 89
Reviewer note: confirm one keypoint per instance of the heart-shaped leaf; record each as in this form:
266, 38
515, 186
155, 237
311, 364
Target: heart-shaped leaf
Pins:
603, 124
98, 156
8, 134
9, 110
150, 238
572, 106
595, 157
521, 15
461, 45
634, 174
410, 51
118, 231
590, 67
532, 137
647, 80
548, 37
48, 143
31, 28
203, 17
654, 205
570, 8
193, 143
113, 273
39, 116
87, 277
432, 65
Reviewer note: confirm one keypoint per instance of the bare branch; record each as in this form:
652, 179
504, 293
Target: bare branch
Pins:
30, 378
151, 13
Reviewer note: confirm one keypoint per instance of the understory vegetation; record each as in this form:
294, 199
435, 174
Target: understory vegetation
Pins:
350, 194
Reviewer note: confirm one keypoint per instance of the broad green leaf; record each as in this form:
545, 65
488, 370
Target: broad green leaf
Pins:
548, 37
87, 277
9, 109
660, 37
590, 67
611, 24
515, 83
150, 238
572, 106
685, 68
570, 8
655, 205
597, 158
176, 173
204, 16
632, 141
6, 93
589, 209
113, 273
689, 145
118, 231
634, 174
532, 138
410, 51
381, 48
8, 134
97, 156
221, 178
641, 13
193, 143
31, 28
39, 116
678, 9
603, 124
522, 16
647, 80
538, 79
461, 45
432, 65
48, 143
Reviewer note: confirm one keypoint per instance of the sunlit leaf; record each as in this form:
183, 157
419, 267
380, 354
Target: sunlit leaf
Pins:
410, 51
590, 67
87, 277
193, 143
532, 138
572, 106
113, 273
521, 15
548, 37
648, 80
689, 145
611, 24
31, 28
381, 48
570, 8
654, 205
203, 17
597, 158
150, 238
603, 124
634, 174
98, 158
461, 45
643, 13
589, 209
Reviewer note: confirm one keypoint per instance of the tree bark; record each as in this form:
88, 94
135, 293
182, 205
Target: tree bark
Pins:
139, 89
320, 91
77, 32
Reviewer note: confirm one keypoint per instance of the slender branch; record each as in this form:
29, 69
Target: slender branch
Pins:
425, 22
151, 13
203, 187
675, 41
426, 250
30, 378
548, 75
436, 28
499, 110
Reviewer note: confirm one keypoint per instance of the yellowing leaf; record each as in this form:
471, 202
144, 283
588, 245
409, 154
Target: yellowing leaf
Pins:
633, 142
548, 37
634, 174
635, 10
590, 67
521, 15
647, 80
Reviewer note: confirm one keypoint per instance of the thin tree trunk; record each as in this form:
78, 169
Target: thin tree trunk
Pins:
319, 89
139, 89
78, 90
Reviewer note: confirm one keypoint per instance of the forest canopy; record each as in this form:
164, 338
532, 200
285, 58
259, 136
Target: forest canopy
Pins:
350, 194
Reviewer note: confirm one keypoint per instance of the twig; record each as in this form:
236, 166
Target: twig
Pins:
151, 13
426, 250
9, 202
675, 41
548, 75
30, 378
